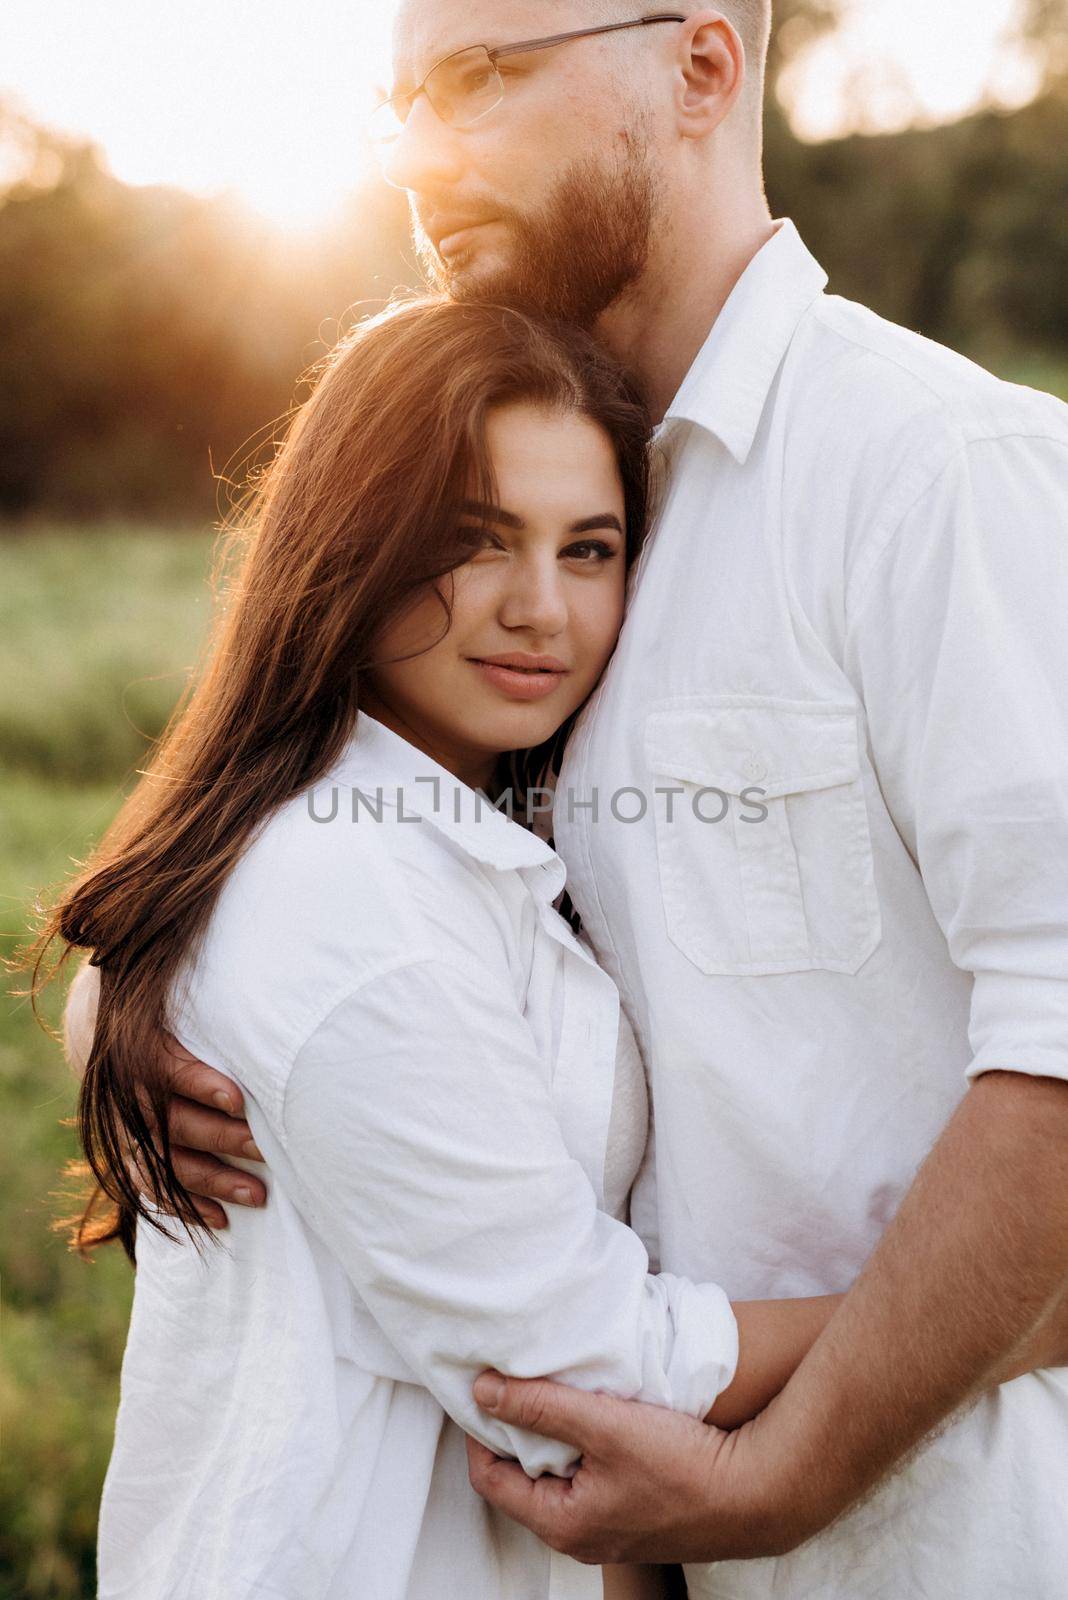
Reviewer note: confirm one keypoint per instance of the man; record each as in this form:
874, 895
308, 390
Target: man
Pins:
854, 1007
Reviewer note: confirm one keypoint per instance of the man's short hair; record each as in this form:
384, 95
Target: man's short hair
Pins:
752, 19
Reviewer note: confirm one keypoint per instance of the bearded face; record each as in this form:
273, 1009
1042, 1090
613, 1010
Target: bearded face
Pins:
569, 258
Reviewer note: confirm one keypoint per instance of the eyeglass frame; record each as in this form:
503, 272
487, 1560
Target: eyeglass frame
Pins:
522, 47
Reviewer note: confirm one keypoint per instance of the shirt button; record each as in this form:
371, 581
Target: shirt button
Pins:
755, 767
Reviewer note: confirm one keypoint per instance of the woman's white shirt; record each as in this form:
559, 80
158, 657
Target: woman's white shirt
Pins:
430, 1060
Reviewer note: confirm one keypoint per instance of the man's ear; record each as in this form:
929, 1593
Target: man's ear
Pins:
713, 72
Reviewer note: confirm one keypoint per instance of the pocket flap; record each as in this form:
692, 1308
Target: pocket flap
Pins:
733, 744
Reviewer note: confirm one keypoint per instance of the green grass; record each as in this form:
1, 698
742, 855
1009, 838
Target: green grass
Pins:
97, 630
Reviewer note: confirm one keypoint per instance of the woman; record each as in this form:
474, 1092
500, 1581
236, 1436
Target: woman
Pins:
310, 892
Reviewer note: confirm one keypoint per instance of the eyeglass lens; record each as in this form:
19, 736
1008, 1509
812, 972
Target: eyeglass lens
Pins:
461, 89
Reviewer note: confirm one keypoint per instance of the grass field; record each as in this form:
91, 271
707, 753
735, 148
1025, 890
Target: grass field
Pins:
97, 630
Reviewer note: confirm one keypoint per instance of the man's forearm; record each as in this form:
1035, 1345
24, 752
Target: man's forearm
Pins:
966, 1284
1047, 1346
776, 1335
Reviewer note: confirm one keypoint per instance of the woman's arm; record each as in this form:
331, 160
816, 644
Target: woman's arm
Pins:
774, 1336
424, 1148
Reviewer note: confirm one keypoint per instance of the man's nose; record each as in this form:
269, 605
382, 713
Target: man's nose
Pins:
426, 154
535, 598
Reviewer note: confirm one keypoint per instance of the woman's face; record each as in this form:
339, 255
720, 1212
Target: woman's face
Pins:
535, 611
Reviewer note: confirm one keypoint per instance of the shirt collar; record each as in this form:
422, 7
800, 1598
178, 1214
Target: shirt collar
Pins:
727, 387
378, 759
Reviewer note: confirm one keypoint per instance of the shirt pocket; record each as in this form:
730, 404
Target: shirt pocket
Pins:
764, 850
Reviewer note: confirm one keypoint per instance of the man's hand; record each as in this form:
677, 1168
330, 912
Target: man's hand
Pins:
652, 1485
965, 1291
206, 1118
206, 1124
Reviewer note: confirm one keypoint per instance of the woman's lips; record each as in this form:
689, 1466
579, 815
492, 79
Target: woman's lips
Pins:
518, 683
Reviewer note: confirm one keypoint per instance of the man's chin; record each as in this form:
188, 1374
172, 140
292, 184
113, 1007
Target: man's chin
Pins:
481, 272
475, 273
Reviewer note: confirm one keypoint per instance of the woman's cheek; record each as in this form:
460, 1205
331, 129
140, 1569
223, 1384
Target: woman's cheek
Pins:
600, 625
476, 592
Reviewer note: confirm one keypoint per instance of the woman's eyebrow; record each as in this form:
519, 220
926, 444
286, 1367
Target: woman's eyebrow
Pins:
504, 519
589, 524
508, 519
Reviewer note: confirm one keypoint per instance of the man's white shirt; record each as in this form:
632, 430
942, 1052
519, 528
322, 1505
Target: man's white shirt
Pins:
816, 824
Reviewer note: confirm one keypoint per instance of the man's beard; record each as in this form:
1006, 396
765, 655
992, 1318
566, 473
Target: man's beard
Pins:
574, 257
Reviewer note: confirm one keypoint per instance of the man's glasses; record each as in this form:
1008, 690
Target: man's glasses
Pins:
466, 86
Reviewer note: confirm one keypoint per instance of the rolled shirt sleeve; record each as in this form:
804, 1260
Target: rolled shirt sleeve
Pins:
959, 649
419, 1123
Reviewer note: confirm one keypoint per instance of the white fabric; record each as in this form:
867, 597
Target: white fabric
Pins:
855, 600
628, 1128
429, 1057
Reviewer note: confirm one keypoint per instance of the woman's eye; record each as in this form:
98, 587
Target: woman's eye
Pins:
478, 539
591, 551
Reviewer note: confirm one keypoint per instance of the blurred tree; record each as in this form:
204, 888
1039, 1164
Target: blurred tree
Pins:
148, 339
146, 336
958, 231
1044, 25
797, 25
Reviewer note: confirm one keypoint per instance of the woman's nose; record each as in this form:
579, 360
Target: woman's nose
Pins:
426, 156
535, 599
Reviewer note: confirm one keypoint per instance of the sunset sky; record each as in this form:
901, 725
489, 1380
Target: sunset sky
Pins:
268, 99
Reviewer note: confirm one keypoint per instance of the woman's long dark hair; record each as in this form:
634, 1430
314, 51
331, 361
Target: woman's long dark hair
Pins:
359, 511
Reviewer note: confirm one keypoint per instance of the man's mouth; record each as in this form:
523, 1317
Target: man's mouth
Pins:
455, 244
